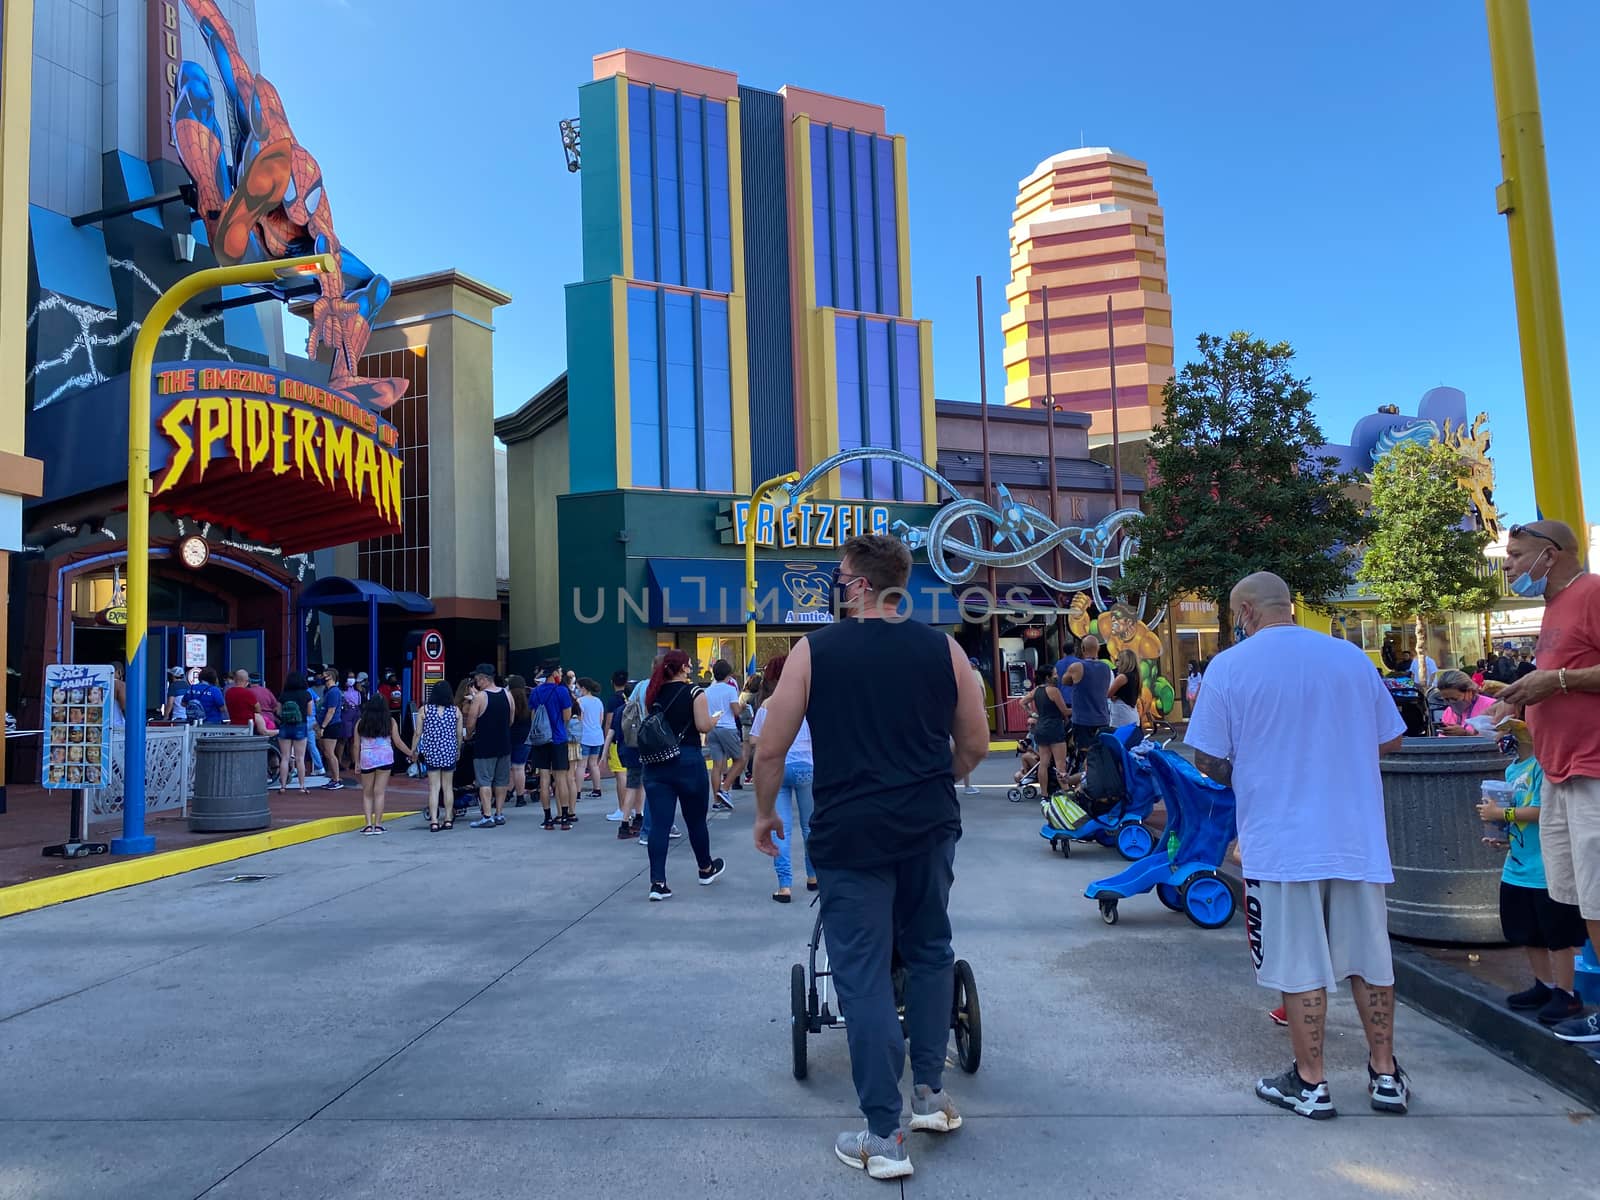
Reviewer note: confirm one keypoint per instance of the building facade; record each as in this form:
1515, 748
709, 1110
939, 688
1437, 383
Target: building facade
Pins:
1088, 226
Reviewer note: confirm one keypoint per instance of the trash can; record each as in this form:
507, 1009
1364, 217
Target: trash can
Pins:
1446, 881
230, 784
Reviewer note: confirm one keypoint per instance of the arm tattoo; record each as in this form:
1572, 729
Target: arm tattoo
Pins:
1219, 769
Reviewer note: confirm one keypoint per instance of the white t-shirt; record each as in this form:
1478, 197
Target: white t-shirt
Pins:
722, 697
1301, 716
591, 711
800, 751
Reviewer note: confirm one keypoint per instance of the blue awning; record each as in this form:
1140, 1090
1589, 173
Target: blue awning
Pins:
335, 591
699, 593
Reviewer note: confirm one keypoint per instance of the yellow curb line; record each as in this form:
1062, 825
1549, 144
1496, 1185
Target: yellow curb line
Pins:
91, 881
995, 747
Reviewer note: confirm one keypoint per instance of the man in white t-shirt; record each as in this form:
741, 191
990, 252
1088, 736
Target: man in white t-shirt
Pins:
724, 746
1295, 721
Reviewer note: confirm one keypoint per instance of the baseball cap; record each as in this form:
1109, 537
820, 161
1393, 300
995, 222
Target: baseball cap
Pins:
361, 676
175, 672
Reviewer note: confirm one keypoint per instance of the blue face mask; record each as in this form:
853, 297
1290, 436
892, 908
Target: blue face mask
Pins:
1239, 633
1526, 585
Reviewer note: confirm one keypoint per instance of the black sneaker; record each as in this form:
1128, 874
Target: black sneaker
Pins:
549, 821
625, 833
1390, 1093
660, 891
1535, 997
1289, 1091
711, 874
1580, 1029
522, 802
1562, 1006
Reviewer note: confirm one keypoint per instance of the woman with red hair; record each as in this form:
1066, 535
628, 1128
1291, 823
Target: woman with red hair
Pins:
680, 780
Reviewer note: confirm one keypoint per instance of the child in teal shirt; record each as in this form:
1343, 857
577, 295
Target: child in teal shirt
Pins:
1550, 932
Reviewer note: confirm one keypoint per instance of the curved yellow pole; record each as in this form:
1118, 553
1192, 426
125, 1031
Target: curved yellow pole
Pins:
133, 839
756, 498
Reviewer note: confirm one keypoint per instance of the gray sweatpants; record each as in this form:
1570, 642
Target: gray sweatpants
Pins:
867, 914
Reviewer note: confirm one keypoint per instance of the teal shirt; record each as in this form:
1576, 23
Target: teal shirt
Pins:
1524, 861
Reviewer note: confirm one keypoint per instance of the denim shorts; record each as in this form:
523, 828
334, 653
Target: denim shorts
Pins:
592, 751
292, 733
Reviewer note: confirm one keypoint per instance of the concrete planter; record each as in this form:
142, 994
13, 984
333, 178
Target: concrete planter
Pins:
230, 784
1446, 881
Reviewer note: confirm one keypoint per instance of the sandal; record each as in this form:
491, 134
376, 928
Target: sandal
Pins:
433, 827
811, 885
783, 897
448, 825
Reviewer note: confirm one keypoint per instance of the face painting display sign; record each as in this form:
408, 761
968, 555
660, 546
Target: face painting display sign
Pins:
278, 457
77, 727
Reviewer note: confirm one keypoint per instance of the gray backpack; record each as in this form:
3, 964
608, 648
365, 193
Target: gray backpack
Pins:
540, 732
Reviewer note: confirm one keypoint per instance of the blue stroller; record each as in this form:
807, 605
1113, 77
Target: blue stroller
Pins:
1183, 871
1117, 783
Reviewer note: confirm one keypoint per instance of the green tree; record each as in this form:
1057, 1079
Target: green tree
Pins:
1238, 484
1423, 558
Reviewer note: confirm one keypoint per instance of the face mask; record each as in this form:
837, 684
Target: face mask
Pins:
1526, 585
1239, 633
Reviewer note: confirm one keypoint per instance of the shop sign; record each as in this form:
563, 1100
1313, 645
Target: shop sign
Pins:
194, 650
77, 729
808, 594
816, 524
117, 614
164, 47
269, 424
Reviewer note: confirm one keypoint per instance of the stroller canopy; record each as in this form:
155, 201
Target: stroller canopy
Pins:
1200, 811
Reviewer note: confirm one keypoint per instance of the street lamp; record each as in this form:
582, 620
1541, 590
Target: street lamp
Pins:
134, 840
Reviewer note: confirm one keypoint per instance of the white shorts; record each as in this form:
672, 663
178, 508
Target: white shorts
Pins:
1311, 934
1569, 833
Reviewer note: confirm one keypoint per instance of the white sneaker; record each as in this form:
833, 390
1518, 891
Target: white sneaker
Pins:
615, 815
970, 790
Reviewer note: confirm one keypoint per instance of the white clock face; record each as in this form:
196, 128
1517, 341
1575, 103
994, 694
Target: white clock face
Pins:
194, 552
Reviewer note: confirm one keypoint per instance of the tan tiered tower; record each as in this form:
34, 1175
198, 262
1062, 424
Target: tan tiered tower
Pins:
1088, 224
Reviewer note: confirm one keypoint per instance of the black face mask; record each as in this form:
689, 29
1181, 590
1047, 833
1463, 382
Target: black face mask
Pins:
838, 593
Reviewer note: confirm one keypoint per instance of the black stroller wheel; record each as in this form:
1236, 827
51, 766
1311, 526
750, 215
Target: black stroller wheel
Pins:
1014, 795
966, 1019
799, 1018
1108, 910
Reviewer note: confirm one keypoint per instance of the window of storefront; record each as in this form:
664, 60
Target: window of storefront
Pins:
853, 217
678, 171
171, 601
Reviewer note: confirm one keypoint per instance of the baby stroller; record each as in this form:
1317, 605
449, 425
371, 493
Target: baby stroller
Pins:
1110, 807
812, 1004
1182, 871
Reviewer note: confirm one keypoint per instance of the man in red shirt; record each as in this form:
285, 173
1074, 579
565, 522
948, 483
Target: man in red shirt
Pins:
244, 708
1562, 698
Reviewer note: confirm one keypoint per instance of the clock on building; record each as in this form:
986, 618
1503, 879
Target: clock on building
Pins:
193, 552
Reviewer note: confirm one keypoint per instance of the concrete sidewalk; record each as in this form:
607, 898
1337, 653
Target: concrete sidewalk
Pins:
499, 1013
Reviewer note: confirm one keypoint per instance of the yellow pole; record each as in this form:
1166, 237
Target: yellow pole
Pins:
750, 563
1524, 198
133, 839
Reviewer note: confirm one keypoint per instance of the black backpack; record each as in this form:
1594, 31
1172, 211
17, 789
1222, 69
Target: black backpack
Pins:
657, 742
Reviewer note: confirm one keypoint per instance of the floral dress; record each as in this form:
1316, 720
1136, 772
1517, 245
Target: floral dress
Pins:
438, 746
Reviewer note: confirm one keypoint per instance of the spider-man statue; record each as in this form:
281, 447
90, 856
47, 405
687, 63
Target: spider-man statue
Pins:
260, 195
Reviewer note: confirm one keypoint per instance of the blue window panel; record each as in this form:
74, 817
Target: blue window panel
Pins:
821, 216
682, 447
718, 196
848, 350
843, 236
642, 182
716, 397
694, 194
644, 387
719, 461
888, 229
880, 403
861, 172
682, 428
908, 381
669, 255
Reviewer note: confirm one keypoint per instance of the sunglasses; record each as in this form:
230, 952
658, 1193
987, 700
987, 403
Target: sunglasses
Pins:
1524, 531
840, 578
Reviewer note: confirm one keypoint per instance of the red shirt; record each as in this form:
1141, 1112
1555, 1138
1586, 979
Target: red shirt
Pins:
1566, 728
241, 703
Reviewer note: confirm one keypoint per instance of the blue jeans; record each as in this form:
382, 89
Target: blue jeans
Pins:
683, 781
314, 755
794, 794
868, 914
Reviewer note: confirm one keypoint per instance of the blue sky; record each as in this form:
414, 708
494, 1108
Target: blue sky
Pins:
1325, 181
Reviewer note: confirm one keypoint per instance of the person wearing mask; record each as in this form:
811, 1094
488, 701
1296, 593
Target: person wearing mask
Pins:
1463, 701
795, 798
1561, 700
268, 702
293, 730
1296, 721
389, 689
377, 738
437, 747
883, 842
552, 759
1191, 685
172, 705
330, 728
723, 745
205, 699
349, 712
1126, 686
1051, 714
637, 697
628, 775
489, 726
591, 735
244, 706
521, 723
464, 781
679, 781
1090, 681
1505, 667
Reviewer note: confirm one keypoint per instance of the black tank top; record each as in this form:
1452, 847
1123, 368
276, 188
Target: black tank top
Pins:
1129, 692
492, 735
884, 785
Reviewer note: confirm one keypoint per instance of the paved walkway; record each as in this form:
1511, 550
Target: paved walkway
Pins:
499, 1013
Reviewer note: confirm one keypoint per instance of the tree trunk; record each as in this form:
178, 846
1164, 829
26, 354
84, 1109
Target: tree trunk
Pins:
1421, 672
1224, 625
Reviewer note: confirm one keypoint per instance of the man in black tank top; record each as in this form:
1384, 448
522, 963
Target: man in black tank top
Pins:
884, 832
489, 727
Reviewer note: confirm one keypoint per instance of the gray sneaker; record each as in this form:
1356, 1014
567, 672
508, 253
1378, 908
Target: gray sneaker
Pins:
880, 1157
933, 1112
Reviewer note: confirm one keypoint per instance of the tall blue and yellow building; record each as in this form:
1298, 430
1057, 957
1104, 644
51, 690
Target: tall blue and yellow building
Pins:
745, 310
